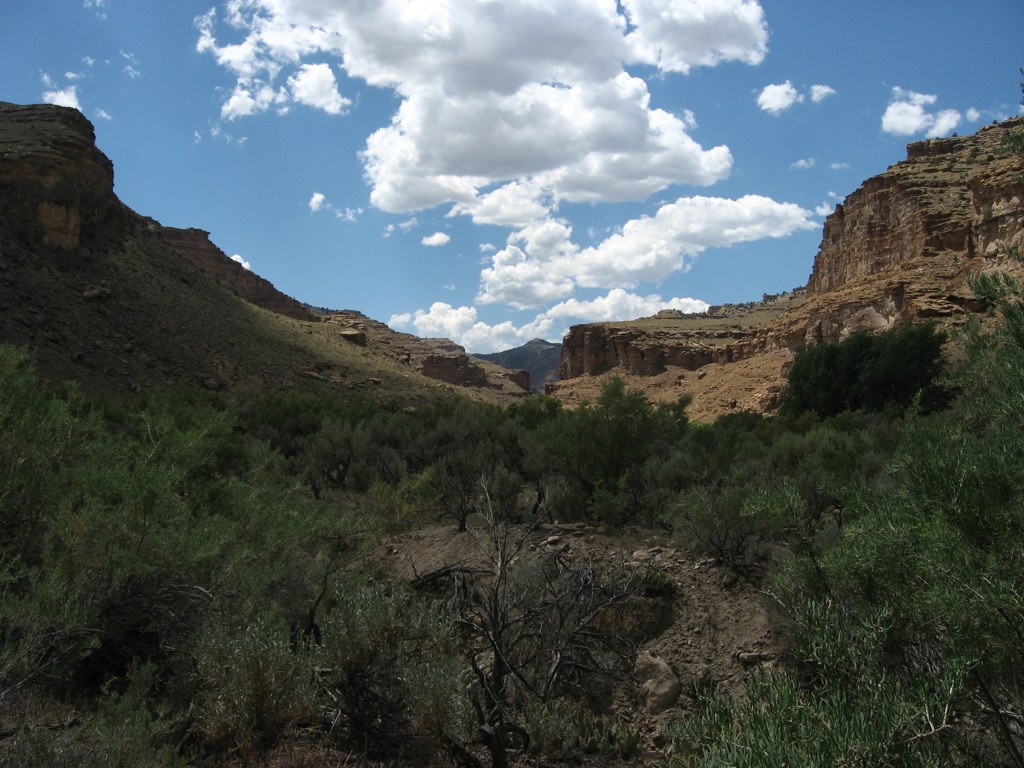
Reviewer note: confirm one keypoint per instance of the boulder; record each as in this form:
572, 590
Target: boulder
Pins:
353, 336
660, 684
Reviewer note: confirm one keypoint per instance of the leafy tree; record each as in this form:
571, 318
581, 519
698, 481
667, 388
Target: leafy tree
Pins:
469, 446
868, 372
598, 450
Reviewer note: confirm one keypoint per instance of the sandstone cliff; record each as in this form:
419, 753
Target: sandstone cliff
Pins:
439, 359
899, 248
43, 198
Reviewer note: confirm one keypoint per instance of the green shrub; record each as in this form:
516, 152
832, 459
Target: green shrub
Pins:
593, 456
735, 525
779, 722
251, 685
385, 674
567, 730
869, 372
397, 507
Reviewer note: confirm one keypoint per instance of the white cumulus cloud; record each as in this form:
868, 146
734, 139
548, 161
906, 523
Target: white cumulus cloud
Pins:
239, 260
514, 204
316, 86
821, 92
63, 97
651, 248
619, 304
504, 108
317, 201
507, 112
541, 263
778, 97
437, 239
515, 279
910, 113
677, 35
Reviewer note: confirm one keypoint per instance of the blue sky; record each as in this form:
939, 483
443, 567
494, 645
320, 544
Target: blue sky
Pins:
496, 170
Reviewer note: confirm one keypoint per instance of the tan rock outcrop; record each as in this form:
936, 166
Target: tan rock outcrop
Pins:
520, 378
440, 359
659, 682
900, 248
453, 369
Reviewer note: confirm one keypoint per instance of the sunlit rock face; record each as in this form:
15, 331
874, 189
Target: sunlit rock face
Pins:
949, 195
902, 247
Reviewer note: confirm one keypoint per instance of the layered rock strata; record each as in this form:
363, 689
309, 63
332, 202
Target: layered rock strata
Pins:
115, 301
56, 187
900, 248
439, 359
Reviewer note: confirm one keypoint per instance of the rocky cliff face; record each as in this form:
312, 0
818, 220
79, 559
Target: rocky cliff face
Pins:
650, 346
900, 248
56, 187
440, 359
536, 362
939, 200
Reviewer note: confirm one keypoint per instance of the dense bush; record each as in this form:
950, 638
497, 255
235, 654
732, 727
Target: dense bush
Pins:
589, 461
387, 676
127, 530
868, 372
910, 614
250, 685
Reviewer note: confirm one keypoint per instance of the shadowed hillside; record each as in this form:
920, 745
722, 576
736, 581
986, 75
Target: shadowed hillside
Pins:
115, 301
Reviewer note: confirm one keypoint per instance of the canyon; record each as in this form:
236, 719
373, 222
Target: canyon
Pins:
116, 301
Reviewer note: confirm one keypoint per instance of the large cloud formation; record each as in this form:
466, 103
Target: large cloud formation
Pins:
545, 82
509, 108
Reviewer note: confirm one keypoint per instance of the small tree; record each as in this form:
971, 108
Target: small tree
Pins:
537, 627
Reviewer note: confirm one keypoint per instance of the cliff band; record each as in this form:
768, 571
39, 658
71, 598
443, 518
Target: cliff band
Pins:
900, 248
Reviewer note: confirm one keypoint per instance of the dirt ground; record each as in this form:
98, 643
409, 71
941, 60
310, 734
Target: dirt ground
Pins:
720, 628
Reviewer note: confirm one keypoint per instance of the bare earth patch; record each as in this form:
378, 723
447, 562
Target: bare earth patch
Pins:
713, 632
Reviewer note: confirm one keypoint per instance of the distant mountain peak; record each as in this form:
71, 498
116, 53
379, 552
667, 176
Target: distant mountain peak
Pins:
540, 358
